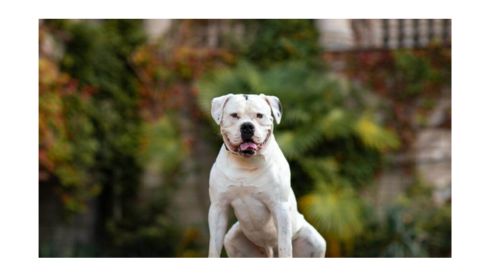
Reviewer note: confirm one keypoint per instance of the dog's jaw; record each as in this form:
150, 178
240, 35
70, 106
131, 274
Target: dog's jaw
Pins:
235, 149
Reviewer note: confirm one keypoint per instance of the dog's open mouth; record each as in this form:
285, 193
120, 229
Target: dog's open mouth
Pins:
248, 148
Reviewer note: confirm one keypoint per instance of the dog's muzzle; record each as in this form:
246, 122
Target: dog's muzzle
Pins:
248, 147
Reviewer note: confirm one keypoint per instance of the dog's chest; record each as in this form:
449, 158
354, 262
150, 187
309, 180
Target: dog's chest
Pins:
252, 189
251, 208
249, 205
247, 193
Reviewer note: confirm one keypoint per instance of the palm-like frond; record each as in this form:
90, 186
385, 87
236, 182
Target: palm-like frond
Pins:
373, 135
295, 143
337, 214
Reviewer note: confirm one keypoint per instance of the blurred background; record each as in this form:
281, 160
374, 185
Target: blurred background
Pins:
127, 141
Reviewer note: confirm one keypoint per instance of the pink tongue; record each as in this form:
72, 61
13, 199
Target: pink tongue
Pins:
248, 146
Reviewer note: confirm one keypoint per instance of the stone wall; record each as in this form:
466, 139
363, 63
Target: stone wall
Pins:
429, 159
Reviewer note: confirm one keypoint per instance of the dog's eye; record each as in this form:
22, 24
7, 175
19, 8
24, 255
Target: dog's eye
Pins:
259, 115
234, 115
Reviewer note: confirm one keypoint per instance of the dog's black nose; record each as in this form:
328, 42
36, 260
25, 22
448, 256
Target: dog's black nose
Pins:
247, 129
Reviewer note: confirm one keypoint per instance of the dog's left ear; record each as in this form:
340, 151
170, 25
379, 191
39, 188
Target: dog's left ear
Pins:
276, 106
217, 107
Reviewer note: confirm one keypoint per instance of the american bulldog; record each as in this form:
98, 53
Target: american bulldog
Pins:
252, 176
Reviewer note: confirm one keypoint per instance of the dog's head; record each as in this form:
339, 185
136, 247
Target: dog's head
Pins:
246, 121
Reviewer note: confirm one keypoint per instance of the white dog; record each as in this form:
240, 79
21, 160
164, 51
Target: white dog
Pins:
252, 175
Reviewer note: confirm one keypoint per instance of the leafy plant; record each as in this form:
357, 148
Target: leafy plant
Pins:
67, 142
90, 124
276, 41
413, 226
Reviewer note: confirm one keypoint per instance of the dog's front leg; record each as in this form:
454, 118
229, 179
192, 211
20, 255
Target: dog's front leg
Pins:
217, 222
284, 229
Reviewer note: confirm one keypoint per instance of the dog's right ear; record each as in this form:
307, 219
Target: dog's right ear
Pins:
218, 103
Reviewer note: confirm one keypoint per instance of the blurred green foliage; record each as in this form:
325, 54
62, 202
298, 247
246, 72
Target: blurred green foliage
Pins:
419, 74
67, 141
410, 82
276, 41
96, 54
412, 226
114, 107
161, 149
96, 144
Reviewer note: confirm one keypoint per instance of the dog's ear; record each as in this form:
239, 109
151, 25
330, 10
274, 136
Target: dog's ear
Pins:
218, 103
276, 106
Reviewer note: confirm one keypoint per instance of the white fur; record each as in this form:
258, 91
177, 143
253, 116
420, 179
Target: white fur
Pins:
217, 107
257, 188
